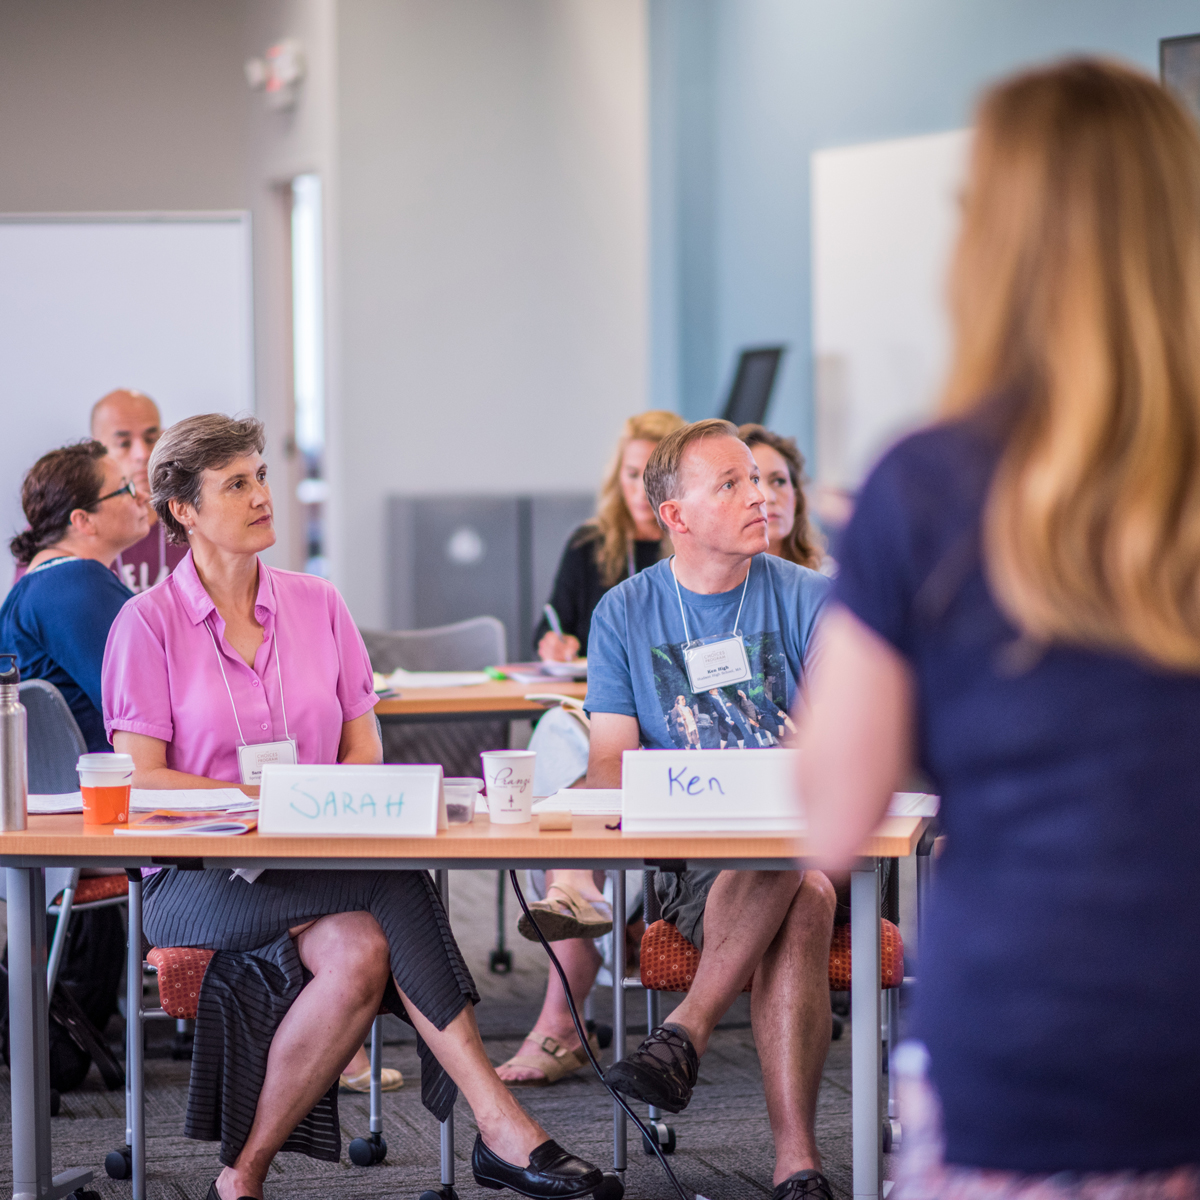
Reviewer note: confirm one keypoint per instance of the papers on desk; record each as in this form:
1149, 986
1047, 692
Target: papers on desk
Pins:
913, 804
67, 802
226, 800
545, 672
401, 680
193, 824
596, 802
191, 800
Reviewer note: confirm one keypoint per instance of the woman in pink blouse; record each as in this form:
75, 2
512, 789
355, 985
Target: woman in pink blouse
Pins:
225, 659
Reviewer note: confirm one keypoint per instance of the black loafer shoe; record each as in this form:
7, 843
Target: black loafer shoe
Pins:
552, 1174
213, 1194
662, 1071
804, 1185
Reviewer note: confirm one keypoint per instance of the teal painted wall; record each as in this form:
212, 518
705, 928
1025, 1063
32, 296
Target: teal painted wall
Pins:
743, 91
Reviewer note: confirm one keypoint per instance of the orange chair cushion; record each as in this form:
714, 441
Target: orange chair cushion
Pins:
180, 973
98, 887
669, 961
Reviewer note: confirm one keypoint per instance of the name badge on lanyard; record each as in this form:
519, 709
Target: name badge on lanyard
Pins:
718, 660
713, 662
252, 758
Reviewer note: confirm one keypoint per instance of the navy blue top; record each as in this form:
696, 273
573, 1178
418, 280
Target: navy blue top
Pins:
1060, 970
56, 621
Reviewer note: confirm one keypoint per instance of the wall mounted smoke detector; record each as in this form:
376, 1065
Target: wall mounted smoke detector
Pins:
278, 73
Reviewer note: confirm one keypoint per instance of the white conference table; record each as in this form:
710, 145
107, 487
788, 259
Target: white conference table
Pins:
65, 841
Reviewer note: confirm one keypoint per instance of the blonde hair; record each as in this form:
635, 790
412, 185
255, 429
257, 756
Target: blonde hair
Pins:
803, 545
1075, 292
613, 527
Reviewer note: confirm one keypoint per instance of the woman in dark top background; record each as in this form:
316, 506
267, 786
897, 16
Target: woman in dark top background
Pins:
621, 539
1019, 614
82, 513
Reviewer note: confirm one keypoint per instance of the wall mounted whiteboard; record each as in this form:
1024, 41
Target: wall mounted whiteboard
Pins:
884, 220
157, 302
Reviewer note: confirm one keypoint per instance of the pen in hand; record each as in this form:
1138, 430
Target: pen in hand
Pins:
552, 617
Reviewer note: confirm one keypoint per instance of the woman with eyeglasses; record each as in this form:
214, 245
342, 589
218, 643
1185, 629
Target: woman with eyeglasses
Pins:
82, 512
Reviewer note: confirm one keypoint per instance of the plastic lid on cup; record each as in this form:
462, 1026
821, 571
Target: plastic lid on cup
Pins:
105, 762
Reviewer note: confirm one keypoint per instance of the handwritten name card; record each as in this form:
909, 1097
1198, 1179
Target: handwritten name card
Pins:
359, 800
709, 791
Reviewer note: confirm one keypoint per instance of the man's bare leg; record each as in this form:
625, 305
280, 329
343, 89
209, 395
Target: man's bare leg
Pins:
791, 1019
743, 915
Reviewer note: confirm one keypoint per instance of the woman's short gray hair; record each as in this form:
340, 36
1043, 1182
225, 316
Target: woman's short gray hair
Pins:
189, 448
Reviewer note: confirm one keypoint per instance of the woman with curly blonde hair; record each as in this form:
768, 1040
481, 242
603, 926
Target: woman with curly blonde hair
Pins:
622, 539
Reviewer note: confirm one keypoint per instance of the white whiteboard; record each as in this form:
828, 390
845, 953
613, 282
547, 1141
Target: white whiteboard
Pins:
161, 303
884, 218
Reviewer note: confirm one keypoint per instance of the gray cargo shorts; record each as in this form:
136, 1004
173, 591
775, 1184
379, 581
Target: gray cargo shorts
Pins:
683, 896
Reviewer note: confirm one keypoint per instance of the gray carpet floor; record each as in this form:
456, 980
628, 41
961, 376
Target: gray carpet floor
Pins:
724, 1145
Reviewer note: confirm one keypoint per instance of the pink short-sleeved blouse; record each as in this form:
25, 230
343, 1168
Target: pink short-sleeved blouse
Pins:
162, 676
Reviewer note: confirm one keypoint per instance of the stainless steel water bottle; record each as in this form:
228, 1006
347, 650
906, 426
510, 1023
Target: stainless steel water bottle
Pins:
14, 774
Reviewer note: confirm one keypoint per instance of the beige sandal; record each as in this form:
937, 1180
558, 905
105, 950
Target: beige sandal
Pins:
390, 1080
566, 915
551, 1058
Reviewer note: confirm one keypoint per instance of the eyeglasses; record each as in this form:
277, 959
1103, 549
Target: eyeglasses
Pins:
127, 487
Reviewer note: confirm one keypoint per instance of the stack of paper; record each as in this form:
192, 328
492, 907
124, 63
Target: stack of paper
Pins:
402, 680
601, 802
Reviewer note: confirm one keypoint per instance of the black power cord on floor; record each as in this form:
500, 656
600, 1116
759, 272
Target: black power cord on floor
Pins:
651, 1140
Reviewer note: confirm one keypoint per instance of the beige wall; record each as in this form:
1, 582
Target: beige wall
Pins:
491, 250
124, 104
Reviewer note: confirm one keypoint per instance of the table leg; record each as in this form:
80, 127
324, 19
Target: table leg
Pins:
135, 1038
866, 1058
447, 1131
618, 1047
29, 1029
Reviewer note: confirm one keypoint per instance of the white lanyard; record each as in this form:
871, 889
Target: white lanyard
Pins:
229, 690
716, 661
679, 596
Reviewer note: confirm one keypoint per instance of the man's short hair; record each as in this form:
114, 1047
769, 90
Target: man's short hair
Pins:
661, 476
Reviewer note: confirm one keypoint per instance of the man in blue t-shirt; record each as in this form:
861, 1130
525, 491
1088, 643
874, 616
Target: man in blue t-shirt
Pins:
774, 926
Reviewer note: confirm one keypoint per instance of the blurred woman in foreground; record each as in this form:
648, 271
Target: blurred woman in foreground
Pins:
1020, 615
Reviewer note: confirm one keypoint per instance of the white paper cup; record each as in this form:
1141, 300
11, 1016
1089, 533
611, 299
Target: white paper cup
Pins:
509, 776
461, 794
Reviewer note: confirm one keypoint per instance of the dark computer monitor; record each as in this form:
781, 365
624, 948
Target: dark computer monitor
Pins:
751, 390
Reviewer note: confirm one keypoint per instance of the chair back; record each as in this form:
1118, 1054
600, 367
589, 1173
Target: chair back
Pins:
464, 646
55, 742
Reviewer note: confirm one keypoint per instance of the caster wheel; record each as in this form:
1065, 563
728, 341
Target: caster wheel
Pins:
366, 1152
84, 1194
664, 1136
611, 1187
891, 1135
443, 1193
604, 1033
499, 963
55, 1102
118, 1164
838, 1027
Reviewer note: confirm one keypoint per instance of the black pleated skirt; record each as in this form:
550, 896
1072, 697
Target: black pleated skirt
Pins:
256, 974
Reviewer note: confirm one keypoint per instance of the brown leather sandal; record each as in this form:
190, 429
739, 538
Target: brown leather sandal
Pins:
551, 1058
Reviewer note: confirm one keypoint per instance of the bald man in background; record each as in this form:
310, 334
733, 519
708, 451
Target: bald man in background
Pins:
128, 423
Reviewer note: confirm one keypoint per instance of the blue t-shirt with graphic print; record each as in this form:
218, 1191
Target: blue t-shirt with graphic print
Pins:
635, 655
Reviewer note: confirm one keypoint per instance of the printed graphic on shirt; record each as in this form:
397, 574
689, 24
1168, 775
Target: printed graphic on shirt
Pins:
735, 717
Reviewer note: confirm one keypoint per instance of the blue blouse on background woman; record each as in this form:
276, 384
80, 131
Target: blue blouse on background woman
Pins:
56, 620
1059, 970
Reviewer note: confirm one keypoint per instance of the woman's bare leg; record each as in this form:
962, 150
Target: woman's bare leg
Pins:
581, 961
347, 954
507, 1129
